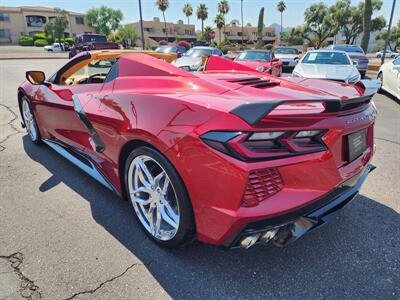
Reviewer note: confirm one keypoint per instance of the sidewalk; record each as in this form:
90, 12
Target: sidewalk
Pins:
19, 52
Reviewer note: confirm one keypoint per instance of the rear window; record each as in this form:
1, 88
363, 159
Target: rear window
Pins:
94, 38
254, 56
326, 58
349, 48
286, 51
198, 52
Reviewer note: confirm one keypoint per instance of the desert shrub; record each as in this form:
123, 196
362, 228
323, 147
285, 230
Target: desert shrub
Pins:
40, 43
268, 46
26, 41
69, 41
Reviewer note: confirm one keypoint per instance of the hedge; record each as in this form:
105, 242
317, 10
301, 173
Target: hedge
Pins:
69, 41
26, 41
40, 43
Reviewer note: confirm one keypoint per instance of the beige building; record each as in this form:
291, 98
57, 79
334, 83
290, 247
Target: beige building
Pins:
29, 20
233, 33
155, 30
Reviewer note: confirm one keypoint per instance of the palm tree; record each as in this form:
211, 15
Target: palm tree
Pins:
260, 28
202, 14
187, 10
281, 7
163, 5
367, 14
207, 33
223, 9
220, 22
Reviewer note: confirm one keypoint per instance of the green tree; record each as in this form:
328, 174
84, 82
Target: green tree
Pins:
57, 25
260, 28
394, 37
223, 9
367, 14
104, 19
349, 18
206, 36
295, 36
163, 6
219, 22
202, 14
128, 35
318, 24
281, 7
187, 10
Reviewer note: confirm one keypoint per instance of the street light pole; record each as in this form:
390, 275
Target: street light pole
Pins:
141, 23
388, 33
241, 10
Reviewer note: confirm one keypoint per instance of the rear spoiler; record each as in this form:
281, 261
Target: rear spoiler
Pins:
252, 113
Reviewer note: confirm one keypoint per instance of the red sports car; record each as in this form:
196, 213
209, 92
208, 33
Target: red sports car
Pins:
260, 60
228, 155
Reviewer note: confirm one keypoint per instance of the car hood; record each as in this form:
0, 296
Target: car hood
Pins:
287, 56
187, 61
325, 71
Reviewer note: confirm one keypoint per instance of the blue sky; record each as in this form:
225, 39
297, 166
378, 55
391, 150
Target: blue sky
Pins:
293, 15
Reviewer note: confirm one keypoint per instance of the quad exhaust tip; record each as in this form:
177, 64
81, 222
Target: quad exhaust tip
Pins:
264, 237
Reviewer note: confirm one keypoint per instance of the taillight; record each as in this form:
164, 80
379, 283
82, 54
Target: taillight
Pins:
266, 145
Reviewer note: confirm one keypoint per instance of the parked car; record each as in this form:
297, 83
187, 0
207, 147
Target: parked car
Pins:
232, 158
192, 59
56, 47
90, 42
260, 60
327, 64
389, 76
288, 56
171, 49
388, 53
356, 53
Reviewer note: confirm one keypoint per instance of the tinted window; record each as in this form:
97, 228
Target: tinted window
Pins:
255, 56
198, 52
327, 58
166, 49
286, 51
348, 48
94, 38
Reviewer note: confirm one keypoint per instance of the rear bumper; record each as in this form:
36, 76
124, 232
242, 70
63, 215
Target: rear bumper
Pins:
290, 226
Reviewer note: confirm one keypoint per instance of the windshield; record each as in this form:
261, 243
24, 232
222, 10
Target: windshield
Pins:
326, 58
254, 55
166, 49
94, 38
349, 48
198, 52
286, 51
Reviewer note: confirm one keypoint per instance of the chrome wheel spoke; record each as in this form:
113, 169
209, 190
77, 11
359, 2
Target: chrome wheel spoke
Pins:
168, 215
153, 197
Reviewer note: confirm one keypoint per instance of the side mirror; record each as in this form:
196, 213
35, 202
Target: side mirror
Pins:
300, 52
35, 77
355, 63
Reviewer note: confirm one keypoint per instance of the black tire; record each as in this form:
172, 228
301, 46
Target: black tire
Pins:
186, 229
35, 139
380, 78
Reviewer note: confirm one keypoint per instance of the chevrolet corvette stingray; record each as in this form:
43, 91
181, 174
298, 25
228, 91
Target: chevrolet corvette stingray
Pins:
230, 156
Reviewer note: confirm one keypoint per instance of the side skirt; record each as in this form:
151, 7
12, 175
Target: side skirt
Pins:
81, 162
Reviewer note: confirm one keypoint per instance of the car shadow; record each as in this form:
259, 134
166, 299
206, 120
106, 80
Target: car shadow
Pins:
355, 256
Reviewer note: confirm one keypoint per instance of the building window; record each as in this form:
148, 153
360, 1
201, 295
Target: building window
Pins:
4, 17
5, 33
79, 20
188, 32
35, 21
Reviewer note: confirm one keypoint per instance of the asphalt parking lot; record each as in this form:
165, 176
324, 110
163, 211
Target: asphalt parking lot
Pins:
64, 236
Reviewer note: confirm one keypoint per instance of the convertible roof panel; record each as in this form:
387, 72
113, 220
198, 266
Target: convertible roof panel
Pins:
146, 65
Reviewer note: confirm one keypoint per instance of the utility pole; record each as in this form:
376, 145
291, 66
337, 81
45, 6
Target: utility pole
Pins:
241, 10
388, 32
141, 23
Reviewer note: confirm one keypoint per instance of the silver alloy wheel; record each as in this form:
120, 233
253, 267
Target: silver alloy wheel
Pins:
29, 120
153, 197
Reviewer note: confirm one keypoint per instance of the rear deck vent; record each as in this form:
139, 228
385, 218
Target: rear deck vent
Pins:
254, 82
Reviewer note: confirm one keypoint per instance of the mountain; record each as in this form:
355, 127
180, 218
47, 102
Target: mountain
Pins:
277, 28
